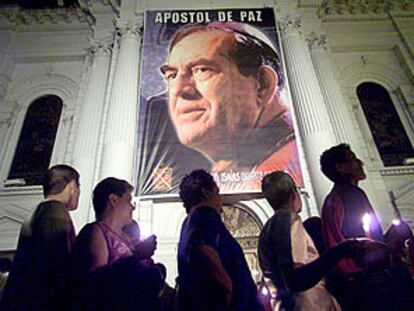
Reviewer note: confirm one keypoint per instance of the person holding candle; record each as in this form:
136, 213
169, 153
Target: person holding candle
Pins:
105, 241
288, 256
348, 213
109, 262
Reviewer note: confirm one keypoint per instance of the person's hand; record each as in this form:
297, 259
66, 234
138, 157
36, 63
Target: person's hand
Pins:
146, 248
366, 252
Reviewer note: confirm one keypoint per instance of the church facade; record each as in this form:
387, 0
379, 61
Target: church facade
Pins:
71, 82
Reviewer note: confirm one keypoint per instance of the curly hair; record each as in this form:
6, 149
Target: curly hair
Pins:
331, 157
191, 187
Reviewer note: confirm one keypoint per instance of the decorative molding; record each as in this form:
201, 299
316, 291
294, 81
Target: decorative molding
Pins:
364, 10
373, 71
89, 7
127, 27
21, 191
239, 223
396, 171
309, 4
291, 23
29, 88
18, 16
249, 243
317, 41
100, 46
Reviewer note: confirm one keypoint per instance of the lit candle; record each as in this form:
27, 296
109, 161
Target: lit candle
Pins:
366, 222
264, 290
396, 222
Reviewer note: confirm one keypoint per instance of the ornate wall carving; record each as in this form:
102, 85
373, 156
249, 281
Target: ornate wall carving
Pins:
19, 17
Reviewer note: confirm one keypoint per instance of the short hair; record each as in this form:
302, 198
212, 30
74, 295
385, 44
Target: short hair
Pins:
277, 188
104, 189
57, 177
331, 157
252, 49
191, 187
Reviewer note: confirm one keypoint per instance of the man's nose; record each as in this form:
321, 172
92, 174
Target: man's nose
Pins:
183, 85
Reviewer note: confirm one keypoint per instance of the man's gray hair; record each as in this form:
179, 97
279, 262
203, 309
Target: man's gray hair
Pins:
277, 188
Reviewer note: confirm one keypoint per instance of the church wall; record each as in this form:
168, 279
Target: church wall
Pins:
35, 59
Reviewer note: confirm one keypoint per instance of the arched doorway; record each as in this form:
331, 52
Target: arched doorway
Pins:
245, 227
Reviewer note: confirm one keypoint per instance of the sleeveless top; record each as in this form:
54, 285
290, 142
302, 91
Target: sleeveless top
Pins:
118, 246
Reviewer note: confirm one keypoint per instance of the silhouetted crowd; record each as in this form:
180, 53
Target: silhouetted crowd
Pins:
339, 261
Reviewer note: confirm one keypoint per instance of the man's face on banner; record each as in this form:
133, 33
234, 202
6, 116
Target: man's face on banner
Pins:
209, 100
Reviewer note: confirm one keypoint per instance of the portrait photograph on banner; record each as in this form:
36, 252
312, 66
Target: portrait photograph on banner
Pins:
213, 96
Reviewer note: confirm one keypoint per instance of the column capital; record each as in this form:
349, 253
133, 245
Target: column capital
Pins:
291, 23
129, 27
317, 41
101, 46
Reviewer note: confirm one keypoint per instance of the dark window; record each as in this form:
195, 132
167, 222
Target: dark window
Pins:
389, 134
35, 145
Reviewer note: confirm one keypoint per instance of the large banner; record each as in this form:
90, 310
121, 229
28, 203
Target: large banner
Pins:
213, 96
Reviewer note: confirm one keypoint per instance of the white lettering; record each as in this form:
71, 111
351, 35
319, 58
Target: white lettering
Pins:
224, 16
251, 16
259, 16
167, 16
191, 16
182, 17
243, 15
158, 17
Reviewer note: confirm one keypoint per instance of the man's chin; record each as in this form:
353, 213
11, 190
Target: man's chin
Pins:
363, 176
188, 137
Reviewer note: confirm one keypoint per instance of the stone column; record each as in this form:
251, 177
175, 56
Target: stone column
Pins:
334, 100
86, 144
338, 113
7, 126
314, 124
118, 152
60, 147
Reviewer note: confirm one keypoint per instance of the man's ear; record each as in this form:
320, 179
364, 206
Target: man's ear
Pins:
70, 187
267, 80
340, 168
112, 199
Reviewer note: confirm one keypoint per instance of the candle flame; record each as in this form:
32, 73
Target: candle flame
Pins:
366, 221
396, 222
264, 291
